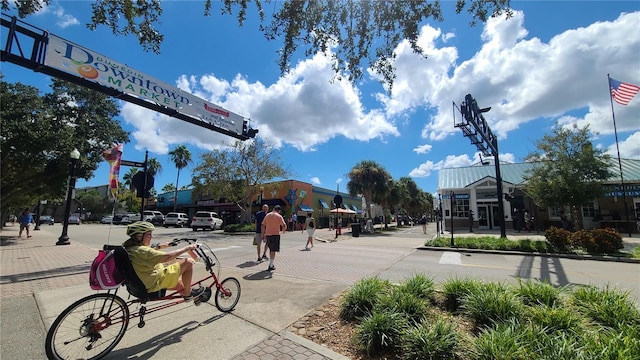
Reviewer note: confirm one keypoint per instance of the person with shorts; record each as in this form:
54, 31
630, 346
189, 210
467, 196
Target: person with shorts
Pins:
259, 236
272, 224
148, 262
25, 221
310, 225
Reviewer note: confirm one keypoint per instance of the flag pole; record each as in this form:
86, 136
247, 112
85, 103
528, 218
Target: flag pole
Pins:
615, 131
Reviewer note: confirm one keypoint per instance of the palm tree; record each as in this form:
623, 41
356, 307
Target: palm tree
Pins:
181, 157
127, 179
153, 167
369, 179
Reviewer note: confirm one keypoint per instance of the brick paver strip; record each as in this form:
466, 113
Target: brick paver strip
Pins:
32, 265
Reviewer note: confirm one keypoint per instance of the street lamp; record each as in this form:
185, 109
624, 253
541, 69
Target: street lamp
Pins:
261, 195
64, 238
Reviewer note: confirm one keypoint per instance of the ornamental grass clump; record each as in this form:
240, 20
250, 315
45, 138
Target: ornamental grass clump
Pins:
537, 293
607, 306
438, 340
381, 331
361, 298
454, 290
500, 343
412, 307
419, 285
492, 304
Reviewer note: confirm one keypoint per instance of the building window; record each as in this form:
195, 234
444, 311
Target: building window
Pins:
461, 208
589, 210
555, 211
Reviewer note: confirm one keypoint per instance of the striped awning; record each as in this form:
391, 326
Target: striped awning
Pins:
305, 208
324, 204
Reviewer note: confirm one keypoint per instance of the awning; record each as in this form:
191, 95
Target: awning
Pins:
353, 207
324, 204
305, 208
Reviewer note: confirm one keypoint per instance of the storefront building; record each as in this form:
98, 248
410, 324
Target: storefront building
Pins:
476, 201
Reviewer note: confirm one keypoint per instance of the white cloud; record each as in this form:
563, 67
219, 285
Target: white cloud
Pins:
629, 147
315, 180
423, 149
302, 100
522, 79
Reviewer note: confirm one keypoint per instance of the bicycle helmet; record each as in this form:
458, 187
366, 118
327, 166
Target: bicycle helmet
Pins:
139, 227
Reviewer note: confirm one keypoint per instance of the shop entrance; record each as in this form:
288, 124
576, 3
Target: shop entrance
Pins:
488, 216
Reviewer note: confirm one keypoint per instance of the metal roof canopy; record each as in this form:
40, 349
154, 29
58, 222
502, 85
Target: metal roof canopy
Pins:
38, 40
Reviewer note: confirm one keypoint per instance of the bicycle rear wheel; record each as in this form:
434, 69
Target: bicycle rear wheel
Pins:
88, 329
228, 294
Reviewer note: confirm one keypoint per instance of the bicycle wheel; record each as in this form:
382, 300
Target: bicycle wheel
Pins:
88, 329
228, 294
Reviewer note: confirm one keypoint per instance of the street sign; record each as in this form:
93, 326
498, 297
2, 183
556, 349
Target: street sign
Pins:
131, 163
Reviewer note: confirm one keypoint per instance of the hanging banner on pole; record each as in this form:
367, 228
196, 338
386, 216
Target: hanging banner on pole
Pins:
113, 157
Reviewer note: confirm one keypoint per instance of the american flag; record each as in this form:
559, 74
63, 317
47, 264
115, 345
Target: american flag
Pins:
622, 92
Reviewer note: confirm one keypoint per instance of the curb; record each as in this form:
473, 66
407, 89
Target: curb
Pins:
555, 255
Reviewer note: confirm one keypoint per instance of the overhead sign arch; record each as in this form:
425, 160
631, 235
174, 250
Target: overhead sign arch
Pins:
57, 57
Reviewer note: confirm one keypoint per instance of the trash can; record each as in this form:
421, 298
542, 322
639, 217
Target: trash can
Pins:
355, 229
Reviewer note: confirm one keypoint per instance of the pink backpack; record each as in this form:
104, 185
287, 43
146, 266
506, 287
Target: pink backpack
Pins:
104, 274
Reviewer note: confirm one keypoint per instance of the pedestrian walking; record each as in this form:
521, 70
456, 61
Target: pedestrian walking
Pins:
272, 224
25, 221
259, 237
423, 222
310, 225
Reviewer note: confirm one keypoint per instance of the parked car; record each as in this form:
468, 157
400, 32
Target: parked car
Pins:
153, 216
106, 220
206, 220
74, 220
46, 219
176, 219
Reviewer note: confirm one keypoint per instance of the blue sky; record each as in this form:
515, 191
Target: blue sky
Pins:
546, 65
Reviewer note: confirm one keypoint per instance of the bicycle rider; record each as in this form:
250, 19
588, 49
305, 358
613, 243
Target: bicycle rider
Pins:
148, 262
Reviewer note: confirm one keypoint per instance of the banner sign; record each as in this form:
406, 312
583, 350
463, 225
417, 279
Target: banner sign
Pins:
76, 60
458, 196
614, 190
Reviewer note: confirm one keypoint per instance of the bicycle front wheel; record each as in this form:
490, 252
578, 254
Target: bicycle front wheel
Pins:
88, 329
228, 294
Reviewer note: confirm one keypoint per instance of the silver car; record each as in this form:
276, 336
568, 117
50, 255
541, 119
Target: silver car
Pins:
206, 220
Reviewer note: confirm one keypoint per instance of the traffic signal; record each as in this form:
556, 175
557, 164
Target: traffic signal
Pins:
247, 131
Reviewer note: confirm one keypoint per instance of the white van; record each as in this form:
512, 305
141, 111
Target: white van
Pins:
176, 219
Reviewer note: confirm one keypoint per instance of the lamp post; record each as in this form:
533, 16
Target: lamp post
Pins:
64, 238
261, 196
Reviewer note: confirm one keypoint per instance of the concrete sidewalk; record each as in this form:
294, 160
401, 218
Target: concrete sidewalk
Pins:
39, 279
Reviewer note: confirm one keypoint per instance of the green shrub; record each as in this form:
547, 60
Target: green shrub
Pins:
380, 331
240, 228
558, 238
455, 290
556, 319
537, 293
543, 343
431, 341
609, 307
491, 305
583, 239
500, 343
419, 285
608, 241
412, 307
623, 343
361, 298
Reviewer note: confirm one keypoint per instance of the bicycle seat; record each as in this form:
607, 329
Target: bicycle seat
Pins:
134, 285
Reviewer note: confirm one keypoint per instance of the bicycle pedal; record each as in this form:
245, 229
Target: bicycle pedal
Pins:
197, 301
206, 295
